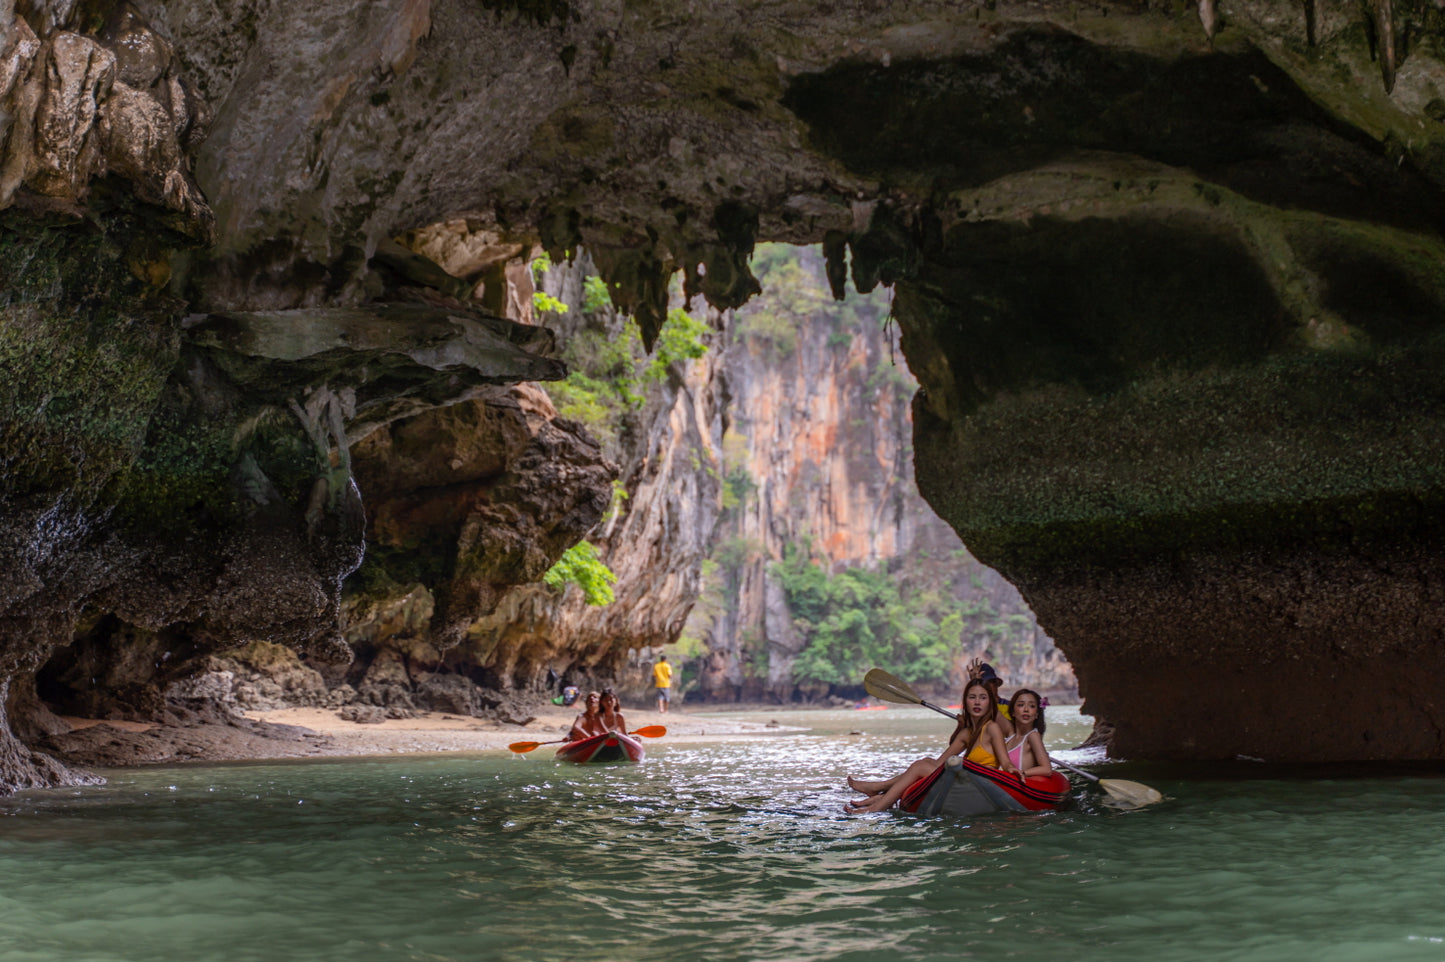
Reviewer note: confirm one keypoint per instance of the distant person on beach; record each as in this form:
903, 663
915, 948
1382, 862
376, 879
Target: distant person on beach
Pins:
1025, 748
610, 710
976, 738
589, 722
662, 679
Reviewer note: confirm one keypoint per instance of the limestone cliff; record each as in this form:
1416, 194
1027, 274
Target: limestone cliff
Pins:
818, 457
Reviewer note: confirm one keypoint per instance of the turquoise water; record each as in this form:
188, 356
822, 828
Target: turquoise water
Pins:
733, 850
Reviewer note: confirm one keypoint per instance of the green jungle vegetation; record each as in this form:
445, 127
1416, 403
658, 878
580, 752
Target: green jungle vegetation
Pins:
611, 374
915, 617
902, 617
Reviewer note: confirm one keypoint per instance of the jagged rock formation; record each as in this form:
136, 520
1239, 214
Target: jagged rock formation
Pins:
177, 483
1169, 279
653, 538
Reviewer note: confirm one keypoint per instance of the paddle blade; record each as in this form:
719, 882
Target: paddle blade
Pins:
520, 747
1129, 794
651, 731
880, 684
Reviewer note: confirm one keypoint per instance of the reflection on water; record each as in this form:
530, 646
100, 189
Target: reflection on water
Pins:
733, 850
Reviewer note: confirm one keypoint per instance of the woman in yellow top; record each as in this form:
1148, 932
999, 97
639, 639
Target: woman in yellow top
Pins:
977, 738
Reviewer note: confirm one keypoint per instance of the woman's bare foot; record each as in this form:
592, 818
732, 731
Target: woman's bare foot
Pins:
866, 788
866, 806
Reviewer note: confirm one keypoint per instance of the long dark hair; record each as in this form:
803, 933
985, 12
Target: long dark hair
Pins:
965, 720
1040, 725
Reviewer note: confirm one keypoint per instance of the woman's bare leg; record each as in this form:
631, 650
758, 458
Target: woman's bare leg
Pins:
885, 800
877, 788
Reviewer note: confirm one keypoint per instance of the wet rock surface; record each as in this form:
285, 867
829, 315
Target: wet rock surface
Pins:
1171, 288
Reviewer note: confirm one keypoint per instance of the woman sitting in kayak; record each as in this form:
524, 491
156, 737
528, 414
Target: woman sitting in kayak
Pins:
1025, 747
610, 712
588, 723
977, 738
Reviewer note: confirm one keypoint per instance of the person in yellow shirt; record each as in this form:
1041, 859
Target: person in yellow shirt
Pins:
662, 679
976, 738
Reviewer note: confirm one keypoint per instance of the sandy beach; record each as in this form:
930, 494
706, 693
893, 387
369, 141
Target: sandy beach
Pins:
435, 732
319, 732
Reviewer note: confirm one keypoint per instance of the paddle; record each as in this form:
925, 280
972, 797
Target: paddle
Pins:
880, 684
646, 731
1133, 794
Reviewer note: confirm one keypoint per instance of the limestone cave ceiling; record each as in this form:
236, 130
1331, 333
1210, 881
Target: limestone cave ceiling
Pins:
1169, 275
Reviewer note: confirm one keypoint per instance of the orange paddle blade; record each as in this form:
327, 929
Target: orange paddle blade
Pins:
520, 747
651, 731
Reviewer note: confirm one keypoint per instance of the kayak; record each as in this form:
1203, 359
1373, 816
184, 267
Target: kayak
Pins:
962, 787
607, 747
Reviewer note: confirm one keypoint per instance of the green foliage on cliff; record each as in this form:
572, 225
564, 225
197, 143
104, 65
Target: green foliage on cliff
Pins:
859, 619
581, 566
595, 295
611, 373
542, 303
793, 295
603, 387
794, 299
681, 339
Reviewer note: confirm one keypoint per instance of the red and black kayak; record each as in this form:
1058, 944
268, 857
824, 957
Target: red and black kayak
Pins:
607, 747
962, 787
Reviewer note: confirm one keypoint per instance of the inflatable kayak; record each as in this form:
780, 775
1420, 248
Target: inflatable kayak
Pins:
607, 747
961, 787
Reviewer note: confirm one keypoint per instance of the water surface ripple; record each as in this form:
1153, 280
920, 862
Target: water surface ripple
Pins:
727, 851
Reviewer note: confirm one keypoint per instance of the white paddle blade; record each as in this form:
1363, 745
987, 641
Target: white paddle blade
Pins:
1127, 794
880, 684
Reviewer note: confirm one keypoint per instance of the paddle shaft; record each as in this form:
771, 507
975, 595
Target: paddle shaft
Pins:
941, 711
646, 731
521, 748
1077, 771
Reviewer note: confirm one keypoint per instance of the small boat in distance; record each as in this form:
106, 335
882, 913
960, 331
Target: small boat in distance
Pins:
607, 747
962, 787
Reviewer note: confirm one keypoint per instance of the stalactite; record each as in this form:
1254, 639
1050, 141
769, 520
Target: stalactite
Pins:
1209, 16
1384, 14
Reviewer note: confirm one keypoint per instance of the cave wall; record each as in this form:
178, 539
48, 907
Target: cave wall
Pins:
1247, 496
1101, 222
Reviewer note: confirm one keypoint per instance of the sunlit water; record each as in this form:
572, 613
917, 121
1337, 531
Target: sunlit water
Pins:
733, 850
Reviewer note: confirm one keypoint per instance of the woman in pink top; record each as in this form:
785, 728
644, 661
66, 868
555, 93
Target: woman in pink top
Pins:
1025, 747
